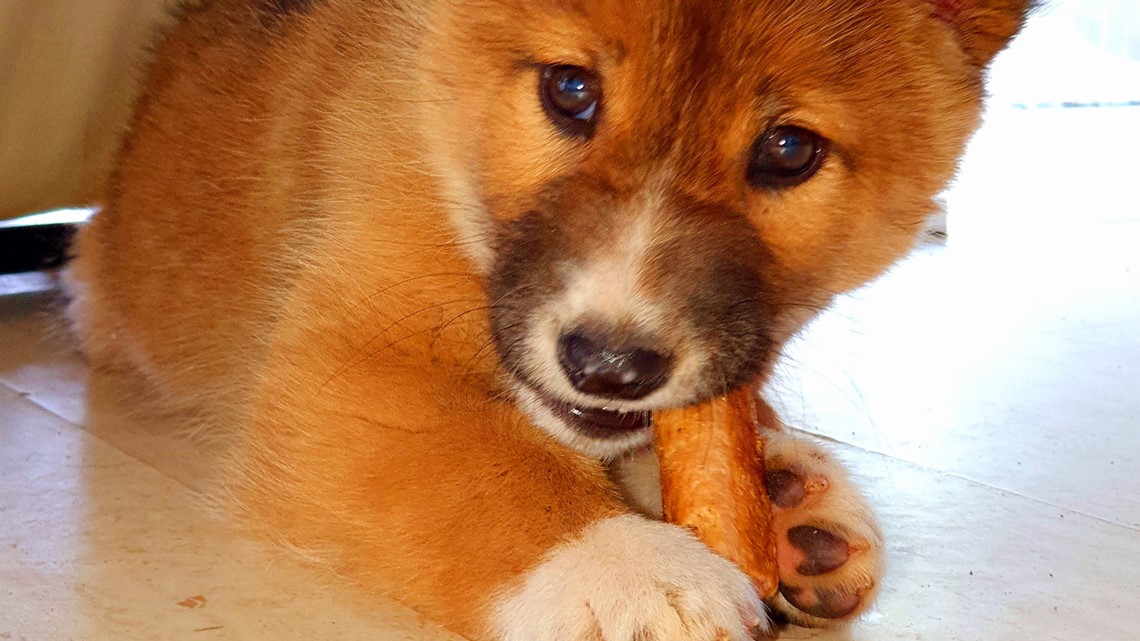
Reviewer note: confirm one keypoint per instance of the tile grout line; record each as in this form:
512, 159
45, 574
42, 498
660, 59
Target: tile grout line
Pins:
24, 395
30, 398
971, 481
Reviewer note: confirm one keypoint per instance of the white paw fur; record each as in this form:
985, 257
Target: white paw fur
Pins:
628, 578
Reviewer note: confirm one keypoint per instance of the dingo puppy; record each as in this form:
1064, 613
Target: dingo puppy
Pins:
434, 262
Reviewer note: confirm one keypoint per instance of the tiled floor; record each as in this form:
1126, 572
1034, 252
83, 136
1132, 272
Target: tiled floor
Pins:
987, 393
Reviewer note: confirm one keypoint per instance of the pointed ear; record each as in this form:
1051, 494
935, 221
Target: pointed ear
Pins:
984, 27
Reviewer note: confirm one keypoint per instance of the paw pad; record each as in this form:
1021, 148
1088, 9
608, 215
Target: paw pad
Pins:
822, 603
789, 489
785, 488
823, 551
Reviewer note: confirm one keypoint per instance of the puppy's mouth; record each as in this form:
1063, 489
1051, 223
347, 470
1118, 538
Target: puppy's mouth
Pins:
598, 423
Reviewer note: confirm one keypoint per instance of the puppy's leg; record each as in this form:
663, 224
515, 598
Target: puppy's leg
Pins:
828, 542
429, 490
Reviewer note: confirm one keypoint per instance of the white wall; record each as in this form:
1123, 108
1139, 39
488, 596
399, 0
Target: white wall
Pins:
66, 77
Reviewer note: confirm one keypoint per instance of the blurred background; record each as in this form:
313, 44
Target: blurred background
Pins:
67, 71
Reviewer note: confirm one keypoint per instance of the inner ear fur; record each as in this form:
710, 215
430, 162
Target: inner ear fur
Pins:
984, 27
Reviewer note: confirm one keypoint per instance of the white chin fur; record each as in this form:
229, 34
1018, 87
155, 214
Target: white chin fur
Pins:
606, 449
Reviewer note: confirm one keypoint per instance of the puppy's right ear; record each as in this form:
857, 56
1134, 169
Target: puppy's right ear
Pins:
983, 27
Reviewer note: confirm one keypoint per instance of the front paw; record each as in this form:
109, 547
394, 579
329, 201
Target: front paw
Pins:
627, 578
829, 545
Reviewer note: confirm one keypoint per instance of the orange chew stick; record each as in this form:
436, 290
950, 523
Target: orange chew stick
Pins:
712, 482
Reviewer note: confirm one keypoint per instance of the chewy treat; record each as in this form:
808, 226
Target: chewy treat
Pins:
712, 482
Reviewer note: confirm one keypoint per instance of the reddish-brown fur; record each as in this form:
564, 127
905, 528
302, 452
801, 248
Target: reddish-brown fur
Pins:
284, 243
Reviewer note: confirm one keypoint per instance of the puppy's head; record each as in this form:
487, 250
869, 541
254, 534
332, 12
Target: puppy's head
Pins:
660, 192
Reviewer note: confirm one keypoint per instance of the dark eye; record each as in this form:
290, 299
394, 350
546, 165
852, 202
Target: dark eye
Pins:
786, 156
571, 96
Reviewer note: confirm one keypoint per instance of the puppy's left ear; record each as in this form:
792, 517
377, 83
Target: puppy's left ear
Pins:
983, 27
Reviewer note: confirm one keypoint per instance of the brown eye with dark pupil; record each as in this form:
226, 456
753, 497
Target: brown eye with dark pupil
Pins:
570, 96
786, 156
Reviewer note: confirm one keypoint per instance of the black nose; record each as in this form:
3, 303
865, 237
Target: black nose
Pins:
625, 373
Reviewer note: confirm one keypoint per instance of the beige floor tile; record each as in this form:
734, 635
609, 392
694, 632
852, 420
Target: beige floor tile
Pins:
37, 355
97, 546
972, 563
